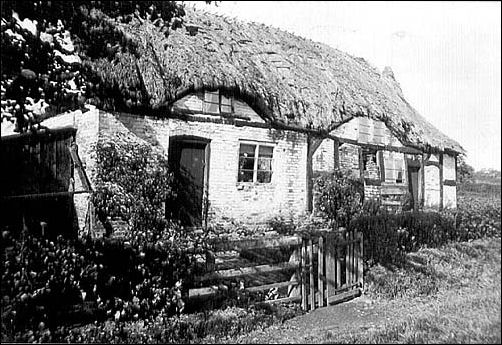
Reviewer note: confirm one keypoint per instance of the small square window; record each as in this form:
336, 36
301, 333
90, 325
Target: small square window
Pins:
216, 103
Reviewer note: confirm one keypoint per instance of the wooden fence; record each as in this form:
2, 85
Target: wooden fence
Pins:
321, 270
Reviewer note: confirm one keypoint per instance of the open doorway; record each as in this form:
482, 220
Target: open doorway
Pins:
188, 160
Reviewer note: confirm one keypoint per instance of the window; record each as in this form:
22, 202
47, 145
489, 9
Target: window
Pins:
255, 163
216, 103
394, 168
371, 169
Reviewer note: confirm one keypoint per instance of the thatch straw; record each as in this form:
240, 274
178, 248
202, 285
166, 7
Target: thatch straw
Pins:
286, 78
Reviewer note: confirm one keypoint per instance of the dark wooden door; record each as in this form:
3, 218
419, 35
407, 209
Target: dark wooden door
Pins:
187, 161
413, 184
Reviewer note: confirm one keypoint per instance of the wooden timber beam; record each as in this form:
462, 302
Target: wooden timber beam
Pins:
313, 144
401, 149
422, 180
336, 152
441, 182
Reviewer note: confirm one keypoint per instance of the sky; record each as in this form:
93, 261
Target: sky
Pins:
445, 55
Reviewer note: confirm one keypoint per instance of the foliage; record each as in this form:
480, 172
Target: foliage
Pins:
387, 237
338, 197
187, 328
465, 172
47, 47
488, 189
123, 292
53, 281
132, 183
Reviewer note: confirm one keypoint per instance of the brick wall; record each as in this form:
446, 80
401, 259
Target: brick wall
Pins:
229, 200
349, 158
324, 157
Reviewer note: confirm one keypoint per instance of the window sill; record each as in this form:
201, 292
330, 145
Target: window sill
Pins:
248, 185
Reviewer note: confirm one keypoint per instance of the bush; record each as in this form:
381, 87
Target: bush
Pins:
387, 237
133, 183
64, 281
338, 197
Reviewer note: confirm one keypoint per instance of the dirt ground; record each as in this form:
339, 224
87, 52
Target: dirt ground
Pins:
468, 311
358, 314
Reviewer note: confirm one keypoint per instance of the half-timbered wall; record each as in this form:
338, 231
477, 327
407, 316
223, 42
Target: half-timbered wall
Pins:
324, 157
432, 182
449, 182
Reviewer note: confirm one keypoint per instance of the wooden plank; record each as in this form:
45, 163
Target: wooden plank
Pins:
353, 262
344, 296
320, 271
390, 203
330, 266
441, 182
80, 169
336, 151
393, 189
361, 260
54, 162
338, 267
347, 258
422, 181
272, 286
238, 272
203, 292
296, 276
311, 274
400, 149
381, 163
304, 276
284, 300
222, 246
210, 261
361, 163
353, 257
43, 168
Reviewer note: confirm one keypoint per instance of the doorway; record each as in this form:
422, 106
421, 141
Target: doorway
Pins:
413, 182
188, 160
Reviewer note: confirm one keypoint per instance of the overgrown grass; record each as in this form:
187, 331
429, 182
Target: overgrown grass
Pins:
462, 284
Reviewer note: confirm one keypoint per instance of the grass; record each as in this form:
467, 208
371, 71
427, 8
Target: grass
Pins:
463, 307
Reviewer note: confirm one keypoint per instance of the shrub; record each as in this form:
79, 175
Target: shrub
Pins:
64, 281
387, 237
133, 183
338, 197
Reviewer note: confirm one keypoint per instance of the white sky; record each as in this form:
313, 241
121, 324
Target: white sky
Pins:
445, 55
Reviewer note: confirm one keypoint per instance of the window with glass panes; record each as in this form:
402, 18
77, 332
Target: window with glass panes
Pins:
394, 168
217, 103
255, 163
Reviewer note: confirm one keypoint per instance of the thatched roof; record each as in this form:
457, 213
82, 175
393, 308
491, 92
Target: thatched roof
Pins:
288, 79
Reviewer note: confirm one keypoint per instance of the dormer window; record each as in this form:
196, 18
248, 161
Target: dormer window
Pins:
217, 103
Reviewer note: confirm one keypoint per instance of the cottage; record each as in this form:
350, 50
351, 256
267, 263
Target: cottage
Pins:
248, 113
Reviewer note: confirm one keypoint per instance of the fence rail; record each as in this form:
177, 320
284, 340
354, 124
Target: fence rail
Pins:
325, 269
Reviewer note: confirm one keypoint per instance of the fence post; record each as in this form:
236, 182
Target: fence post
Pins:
320, 273
296, 258
304, 276
338, 265
311, 274
347, 257
361, 261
